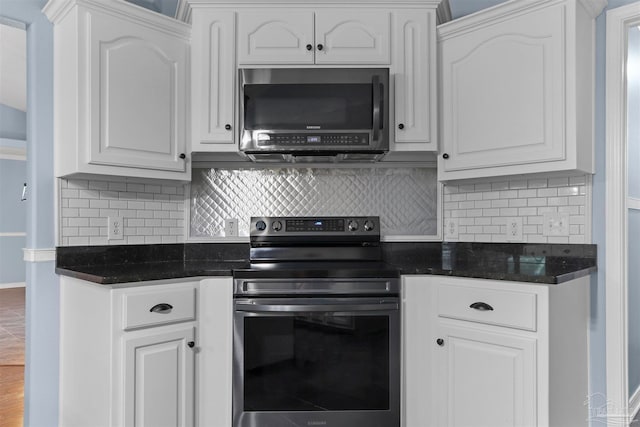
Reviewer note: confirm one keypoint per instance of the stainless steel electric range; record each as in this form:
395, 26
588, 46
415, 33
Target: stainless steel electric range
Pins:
316, 326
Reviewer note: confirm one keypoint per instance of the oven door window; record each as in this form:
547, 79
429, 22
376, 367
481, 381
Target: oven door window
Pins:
308, 106
316, 362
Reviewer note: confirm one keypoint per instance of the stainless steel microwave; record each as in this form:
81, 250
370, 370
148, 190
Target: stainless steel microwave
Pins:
314, 114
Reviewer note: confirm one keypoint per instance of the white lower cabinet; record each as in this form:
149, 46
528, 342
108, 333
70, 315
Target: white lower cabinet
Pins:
159, 378
133, 354
494, 353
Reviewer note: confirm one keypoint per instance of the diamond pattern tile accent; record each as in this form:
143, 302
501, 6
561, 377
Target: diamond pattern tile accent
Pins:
405, 199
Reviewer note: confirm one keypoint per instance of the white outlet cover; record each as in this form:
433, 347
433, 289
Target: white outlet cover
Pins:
451, 229
115, 228
231, 227
513, 233
555, 224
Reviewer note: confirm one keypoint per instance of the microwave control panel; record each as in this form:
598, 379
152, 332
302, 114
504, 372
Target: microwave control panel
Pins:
306, 139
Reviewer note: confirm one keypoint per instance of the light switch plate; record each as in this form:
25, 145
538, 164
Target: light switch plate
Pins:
555, 224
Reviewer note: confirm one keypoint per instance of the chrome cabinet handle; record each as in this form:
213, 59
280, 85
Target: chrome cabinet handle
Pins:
162, 308
481, 306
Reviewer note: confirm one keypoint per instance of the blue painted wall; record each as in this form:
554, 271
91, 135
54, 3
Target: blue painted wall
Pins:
13, 174
42, 292
13, 123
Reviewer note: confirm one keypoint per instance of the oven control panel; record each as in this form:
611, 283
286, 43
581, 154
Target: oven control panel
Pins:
301, 226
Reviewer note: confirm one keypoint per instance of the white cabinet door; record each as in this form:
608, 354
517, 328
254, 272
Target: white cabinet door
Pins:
485, 379
503, 93
159, 378
137, 88
352, 37
340, 37
414, 73
213, 80
267, 37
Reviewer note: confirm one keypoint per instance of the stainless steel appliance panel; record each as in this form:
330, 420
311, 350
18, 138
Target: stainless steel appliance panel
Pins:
327, 361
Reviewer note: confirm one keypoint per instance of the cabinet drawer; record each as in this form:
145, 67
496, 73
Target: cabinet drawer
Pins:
155, 307
491, 306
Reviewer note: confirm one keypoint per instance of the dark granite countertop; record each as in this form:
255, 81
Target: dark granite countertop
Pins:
536, 263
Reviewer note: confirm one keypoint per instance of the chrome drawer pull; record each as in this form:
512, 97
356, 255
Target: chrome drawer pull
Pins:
162, 308
481, 306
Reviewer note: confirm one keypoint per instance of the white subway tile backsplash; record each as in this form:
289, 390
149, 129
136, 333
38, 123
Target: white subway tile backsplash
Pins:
547, 192
578, 180
135, 188
529, 198
94, 185
500, 203
558, 182
117, 186
524, 194
152, 213
537, 183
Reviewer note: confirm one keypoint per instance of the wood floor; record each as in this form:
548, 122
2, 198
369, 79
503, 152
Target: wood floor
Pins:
11, 357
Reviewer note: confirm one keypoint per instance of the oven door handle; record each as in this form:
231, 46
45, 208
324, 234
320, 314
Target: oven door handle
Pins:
293, 308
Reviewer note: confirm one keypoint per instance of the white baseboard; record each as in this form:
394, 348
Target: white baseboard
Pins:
12, 285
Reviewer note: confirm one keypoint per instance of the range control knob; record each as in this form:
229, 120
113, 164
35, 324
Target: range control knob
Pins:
353, 226
369, 225
276, 226
261, 225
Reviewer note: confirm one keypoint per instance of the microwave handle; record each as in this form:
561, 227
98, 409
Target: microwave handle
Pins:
377, 107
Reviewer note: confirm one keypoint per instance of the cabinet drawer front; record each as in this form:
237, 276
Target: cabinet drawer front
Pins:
495, 307
158, 307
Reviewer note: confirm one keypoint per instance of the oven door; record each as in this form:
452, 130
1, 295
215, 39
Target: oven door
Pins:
331, 362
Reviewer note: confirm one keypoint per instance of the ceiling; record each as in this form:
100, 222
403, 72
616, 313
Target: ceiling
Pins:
13, 46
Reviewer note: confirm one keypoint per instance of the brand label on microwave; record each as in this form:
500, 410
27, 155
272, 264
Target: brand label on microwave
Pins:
313, 127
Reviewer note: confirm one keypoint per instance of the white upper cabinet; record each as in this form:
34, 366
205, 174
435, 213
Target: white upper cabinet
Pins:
517, 90
213, 80
120, 91
415, 76
255, 33
353, 37
341, 36
266, 37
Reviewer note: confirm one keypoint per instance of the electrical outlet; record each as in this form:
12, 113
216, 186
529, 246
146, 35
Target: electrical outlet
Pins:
451, 229
513, 232
114, 228
555, 224
231, 227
